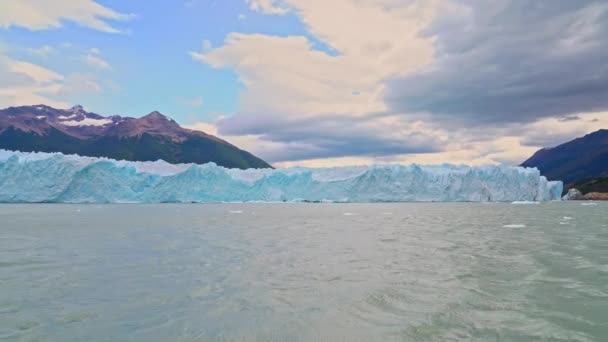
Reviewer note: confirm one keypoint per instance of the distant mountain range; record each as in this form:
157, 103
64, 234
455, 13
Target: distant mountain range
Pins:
582, 161
75, 131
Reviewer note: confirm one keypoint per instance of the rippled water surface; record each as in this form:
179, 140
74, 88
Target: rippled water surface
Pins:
304, 272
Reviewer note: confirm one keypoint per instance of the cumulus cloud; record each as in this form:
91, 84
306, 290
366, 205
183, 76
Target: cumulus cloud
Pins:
386, 46
288, 82
511, 61
466, 81
45, 14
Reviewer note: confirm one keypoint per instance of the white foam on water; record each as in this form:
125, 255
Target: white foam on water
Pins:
514, 226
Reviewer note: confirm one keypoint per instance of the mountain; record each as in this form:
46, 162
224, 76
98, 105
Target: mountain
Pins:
597, 184
75, 131
575, 161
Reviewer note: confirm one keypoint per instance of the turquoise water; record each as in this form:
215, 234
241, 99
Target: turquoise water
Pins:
304, 272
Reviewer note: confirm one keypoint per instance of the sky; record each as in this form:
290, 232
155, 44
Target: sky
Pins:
324, 82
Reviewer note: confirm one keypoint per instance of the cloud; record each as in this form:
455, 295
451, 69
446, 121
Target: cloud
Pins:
44, 14
37, 73
289, 82
80, 83
268, 6
477, 146
550, 132
511, 61
302, 139
277, 68
569, 118
462, 81
93, 58
335, 137
203, 127
26, 83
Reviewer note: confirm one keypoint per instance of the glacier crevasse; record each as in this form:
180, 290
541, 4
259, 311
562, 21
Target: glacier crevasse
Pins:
54, 177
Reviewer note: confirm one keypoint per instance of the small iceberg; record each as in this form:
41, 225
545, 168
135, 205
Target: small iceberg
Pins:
514, 226
525, 202
572, 195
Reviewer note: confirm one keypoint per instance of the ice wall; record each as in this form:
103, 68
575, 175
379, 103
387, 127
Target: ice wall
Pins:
54, 177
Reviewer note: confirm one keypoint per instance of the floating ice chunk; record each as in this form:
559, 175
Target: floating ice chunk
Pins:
236, 211
589, 203
525, 202
350, 214
514, 226
568, 218
572, 195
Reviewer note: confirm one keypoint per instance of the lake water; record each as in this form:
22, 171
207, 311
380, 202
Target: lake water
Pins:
304, 272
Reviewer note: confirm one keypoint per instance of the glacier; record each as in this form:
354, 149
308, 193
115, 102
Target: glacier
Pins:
55, 177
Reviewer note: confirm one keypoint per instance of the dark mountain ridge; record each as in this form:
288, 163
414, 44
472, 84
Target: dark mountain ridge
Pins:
578, 160
149, 138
